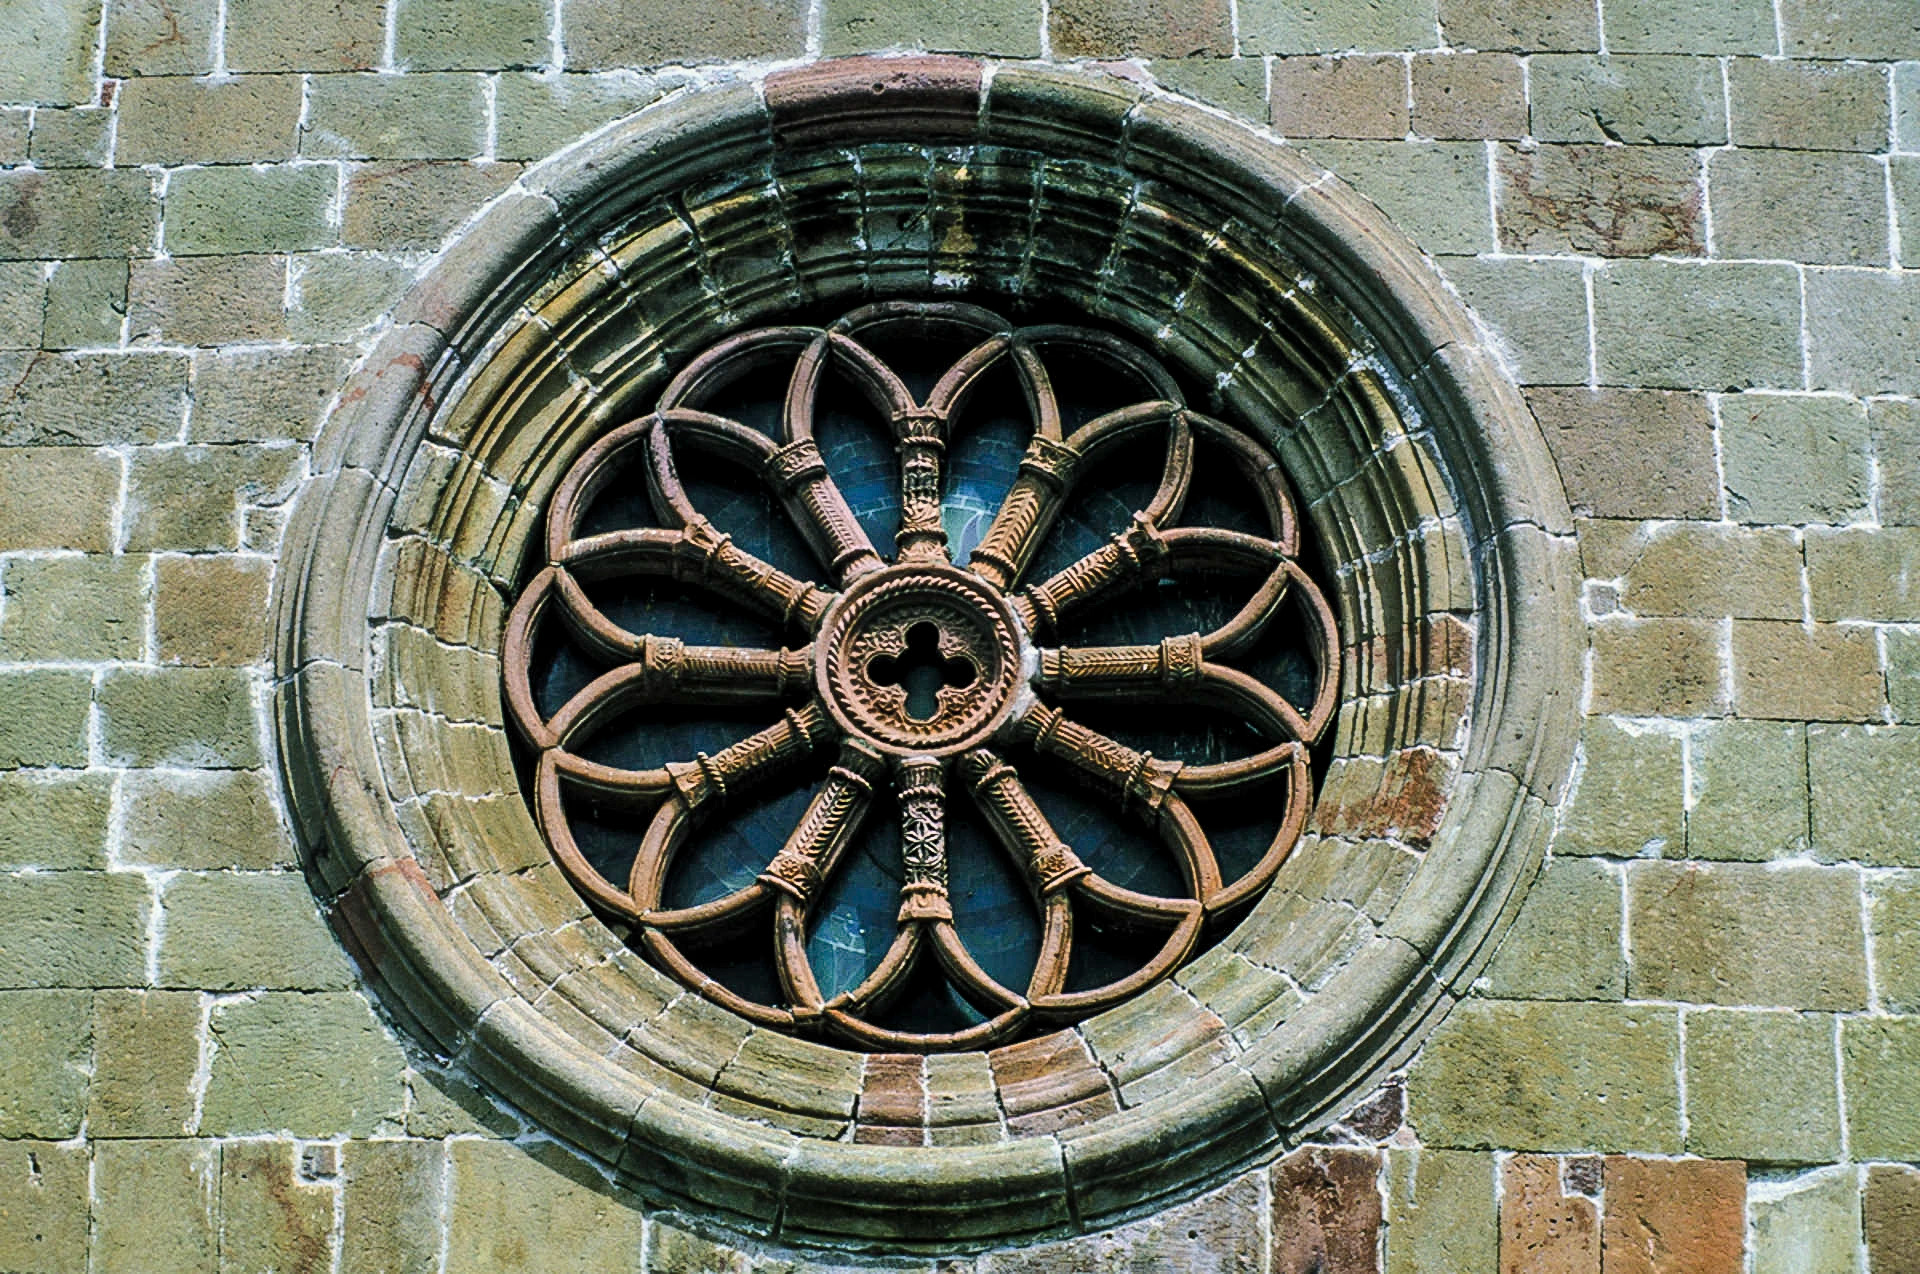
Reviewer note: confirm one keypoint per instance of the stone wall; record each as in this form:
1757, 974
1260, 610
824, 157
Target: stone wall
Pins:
1683, 222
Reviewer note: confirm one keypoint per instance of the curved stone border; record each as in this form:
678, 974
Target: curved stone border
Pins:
1427, 479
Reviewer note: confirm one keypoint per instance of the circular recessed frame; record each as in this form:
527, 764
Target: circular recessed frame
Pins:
564, 311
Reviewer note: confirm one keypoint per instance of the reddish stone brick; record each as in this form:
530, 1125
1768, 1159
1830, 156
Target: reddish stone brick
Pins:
1674, 1216
1050, 1083
1407, 803
1890, 1215
1326, 1212
1542, 1230
893, 1101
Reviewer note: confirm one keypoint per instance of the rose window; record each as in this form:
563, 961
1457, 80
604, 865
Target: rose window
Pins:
921, 679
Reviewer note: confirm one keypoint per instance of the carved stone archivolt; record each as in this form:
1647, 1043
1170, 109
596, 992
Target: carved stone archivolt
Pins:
1003, 692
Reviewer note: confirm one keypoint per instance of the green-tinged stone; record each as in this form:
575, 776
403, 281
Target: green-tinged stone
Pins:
43, 1208
1761, 1086
196, 717
1865, 802
1565, 943
566, 1218
1440, 1212
158, 1206
54, 821
230, 931
146, 1054
1629, 798
1749, 791
43, 1068
1806, 1225
1878, 1059
312, 1065
73, 928
56, 609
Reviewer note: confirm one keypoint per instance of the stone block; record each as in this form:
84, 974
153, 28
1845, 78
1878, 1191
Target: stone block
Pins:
81, 137
1335, 26
1537, 310
1629, 453
1464, 96
471, 35
1762, 1086
189, 498
158, 1204
160, 37
1893, 925
1749, 798
420, 116
1879, 1057
1906, 108
393, 1196
1541, 1075
294, 35
1749, 187
1238, 85
441, 1105
1849, 313
211, 610
194, 717
54, 822
1131, 28
569, 1217
1326, 1212
1435, 191
55, 609
1691, 26
15, 132
1674, 324
270, 1219
1544, 1228
1863, 28
245, 119
50, 53
86, 303
1903, 673
1865, 803
265, 395
146, 1054
58, 497
1632, 99
1807, 1225
75, 213
46, 719
1706, 570
395, 206
1565, 943
230, 931
1685, 1216
43, 1069
23, 301
538, 114
73, 928
1789, 672
1890, 1217
1808, 105
314, 1065
203, 820
44, 1208
92, 400
1440, 1211
1522, 26
1864, 574
283, 208
1746, 934
601, 34
1658, 668
1213, 1234
1356, 96
334, 296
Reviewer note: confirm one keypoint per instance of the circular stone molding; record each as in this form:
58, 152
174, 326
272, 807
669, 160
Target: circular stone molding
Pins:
567, 307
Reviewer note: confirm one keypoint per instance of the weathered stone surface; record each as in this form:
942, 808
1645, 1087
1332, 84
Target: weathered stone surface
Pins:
1326, 1212
1864, 574
441, 1105
277, 209
265, 395
228, 931
73, 928
292, 35
160, 37
1658, 667
1707, 570
1541, 1075
1626, 453
1701, 26
51, 822
1848, 314
50, 53
1339, 96
1749, 791
201, 717
1525, 26
77, 138
307, 1064
1600, 200
417, 204
1331, 26
1788, 672
1435, 191
207, 300
1865, 805
1538, 310
1238, 85
73, 608
1890, 1216
43, 1069
43, 1208
420, 116
1134, 28
1440, 1211
1903, 674
470, 35
188, 498
601, 33
392, 1196
1808, 105
1761, 1086
92, 399
158, 1206
1741, 933
1866, 28
243, 120
1565, 943
146, 1051
1543, 1229
1809, 1225
211, 610
269, 1218
1641, 101
1673, 1217
86, 303
23, 301
538, 114
333, 296
1893, 911
1697, 326
1878, 1059
1468, 95
1749, 187
203, 820
567, 1214
1218, 1233
75, 213
46, 721
57, 498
